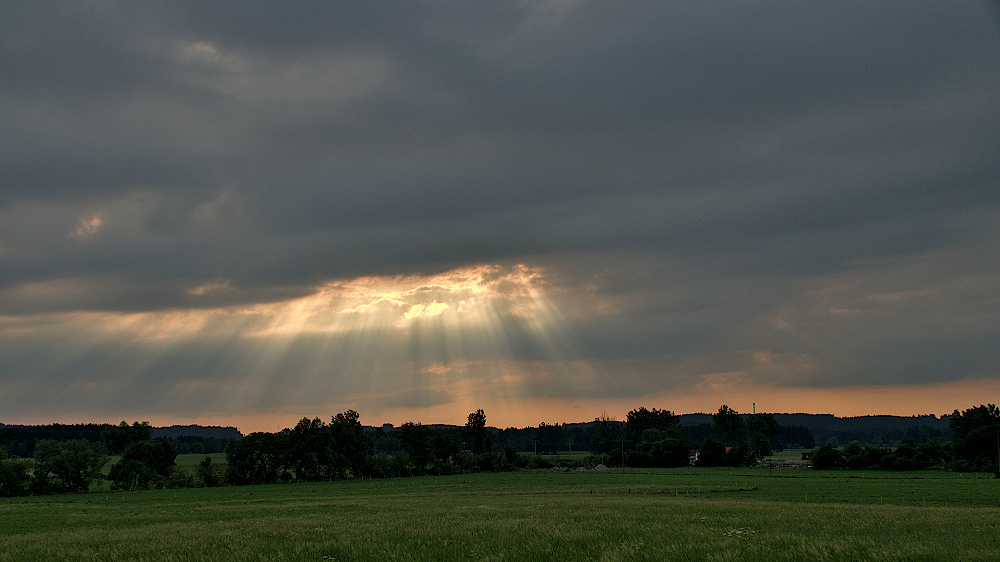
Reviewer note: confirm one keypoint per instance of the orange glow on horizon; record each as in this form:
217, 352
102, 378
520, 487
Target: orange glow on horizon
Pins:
428, 349
898, 400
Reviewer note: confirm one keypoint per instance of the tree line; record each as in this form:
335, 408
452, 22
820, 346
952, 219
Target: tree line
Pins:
20, 440
72, 465
316, 450
654, 438
974, 447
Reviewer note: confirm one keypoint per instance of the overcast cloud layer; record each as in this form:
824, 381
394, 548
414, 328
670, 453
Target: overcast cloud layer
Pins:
212, 209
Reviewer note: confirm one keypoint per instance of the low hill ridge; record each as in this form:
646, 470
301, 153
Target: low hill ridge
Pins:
214, 431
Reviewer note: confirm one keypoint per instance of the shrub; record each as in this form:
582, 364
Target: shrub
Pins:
827, 456
69, 466
15, 477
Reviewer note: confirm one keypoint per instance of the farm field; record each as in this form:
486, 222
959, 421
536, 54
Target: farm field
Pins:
190, 462
674, 514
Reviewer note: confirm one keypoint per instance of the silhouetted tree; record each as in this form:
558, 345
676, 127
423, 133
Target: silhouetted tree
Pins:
475, 430
827, 456
854, 456
71, 466
712, 453
902, 457
608, 437
728, 426
610, 440
740, 455
547, 438
144, 464
660, 449
207, 473
976, 434
118, 438
351, 445
761, 434
640, 419
445, 444
415, 439
310, 450
15, 477
258, 458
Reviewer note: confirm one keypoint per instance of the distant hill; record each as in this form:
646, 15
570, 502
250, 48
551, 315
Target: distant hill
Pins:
832, 422
869, 430
211, 431
875, 429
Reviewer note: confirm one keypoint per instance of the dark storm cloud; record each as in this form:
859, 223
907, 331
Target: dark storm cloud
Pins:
797, 117
710, 170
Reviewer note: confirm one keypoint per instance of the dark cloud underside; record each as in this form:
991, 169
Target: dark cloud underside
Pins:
732, 186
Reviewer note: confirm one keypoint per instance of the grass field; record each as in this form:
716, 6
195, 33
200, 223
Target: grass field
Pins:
190, 462
677, 514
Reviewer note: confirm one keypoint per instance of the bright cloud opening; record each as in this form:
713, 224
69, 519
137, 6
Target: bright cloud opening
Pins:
88, 225
381, 345
432, 309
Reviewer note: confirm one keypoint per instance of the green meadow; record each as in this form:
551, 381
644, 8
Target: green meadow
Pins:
671, 514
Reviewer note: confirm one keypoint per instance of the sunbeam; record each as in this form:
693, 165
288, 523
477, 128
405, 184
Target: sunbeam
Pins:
393, 347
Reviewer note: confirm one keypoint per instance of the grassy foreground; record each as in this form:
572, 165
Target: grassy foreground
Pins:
789, 514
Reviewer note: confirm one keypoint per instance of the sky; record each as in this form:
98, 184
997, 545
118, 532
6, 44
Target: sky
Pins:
245, 213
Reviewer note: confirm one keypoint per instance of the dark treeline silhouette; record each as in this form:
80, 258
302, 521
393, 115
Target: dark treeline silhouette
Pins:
974, 447
317, 451
553, 438
19, 440
867, 430
195, 445
70, 458
73, 464
796, 431
212, 431
906, 455
872, 430
196, 439
655, 438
